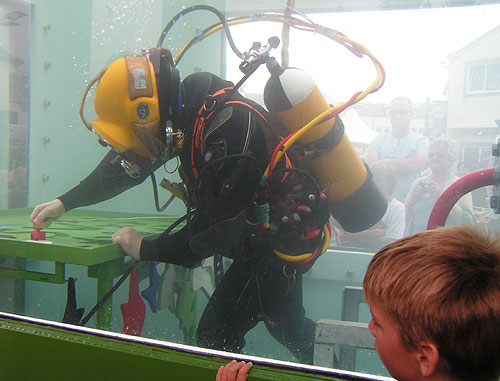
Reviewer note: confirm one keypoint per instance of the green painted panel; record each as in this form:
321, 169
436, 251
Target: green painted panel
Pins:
80, 237
55, 353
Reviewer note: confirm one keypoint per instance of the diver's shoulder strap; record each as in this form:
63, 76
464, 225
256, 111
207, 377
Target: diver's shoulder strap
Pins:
204, 114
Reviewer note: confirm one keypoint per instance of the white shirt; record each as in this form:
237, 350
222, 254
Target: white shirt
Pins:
394, 219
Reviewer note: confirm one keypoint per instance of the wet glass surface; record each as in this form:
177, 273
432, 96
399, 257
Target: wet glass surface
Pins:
441, 81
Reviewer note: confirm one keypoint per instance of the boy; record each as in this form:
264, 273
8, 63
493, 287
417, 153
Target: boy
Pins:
435, 303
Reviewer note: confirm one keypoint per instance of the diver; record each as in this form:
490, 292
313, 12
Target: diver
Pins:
251, 194
147, 115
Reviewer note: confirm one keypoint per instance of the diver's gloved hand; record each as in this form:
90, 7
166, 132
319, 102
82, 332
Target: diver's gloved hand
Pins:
44, 214
129, 240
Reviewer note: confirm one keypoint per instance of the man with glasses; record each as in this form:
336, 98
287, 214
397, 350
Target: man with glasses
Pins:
403, 149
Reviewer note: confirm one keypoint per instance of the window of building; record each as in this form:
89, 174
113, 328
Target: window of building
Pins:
484, 78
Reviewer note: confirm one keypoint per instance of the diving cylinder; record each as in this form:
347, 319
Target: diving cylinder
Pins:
355, 200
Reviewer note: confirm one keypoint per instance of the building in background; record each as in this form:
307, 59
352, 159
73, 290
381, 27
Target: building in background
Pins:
474, 98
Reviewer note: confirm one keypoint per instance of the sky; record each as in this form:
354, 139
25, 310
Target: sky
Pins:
413, 47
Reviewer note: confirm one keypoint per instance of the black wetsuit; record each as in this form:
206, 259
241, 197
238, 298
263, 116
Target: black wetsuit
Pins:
258, 286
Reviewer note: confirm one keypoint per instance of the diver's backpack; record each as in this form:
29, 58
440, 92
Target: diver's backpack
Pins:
288, 213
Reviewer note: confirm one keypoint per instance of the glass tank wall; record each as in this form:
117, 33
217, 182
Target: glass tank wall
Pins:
441, 77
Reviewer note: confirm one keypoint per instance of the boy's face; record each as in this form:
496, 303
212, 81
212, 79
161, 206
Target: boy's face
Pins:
399, 362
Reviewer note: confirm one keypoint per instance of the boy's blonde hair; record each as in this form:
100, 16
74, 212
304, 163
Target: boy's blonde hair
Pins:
443, 286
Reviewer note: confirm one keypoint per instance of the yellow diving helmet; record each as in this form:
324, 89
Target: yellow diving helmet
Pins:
136, 102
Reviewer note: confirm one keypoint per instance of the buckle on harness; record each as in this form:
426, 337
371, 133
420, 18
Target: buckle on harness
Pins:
210, 103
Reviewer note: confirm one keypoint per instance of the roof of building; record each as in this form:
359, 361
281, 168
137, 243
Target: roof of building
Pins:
475, 42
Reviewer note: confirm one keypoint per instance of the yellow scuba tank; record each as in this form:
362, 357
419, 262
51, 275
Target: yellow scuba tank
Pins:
355, 201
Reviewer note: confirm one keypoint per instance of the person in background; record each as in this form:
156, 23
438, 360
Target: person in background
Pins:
462, 169
392, 225
404, 149
434, 297
424, 192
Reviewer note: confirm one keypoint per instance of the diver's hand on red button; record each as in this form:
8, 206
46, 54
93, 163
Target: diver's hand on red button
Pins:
44, 214
129, 240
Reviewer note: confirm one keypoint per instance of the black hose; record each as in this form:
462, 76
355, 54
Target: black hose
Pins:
109, 293
155, 194
230, 157
197, 8
203, 32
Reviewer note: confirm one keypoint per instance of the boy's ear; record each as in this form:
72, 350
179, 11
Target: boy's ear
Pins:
427, 357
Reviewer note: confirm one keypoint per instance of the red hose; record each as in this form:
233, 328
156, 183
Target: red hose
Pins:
454, 192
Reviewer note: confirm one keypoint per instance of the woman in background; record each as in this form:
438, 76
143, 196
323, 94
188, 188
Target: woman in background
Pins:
424, 192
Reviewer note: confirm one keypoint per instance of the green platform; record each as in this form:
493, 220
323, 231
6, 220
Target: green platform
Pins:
78, 238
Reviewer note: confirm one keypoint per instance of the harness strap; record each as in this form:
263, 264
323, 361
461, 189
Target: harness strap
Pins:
213, 103
204, 114
248, 106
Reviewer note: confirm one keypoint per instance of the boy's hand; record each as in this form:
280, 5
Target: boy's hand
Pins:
234, 371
